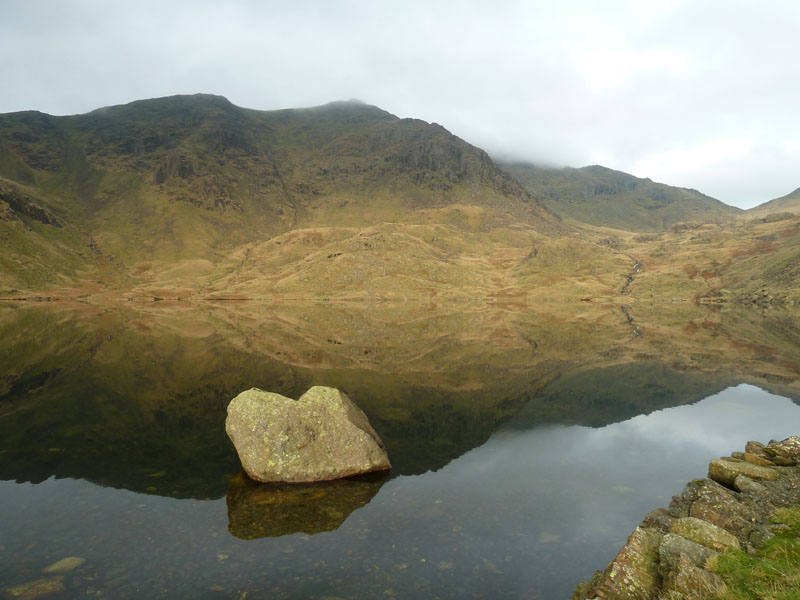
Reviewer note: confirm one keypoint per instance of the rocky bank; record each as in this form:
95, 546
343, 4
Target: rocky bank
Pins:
670, 550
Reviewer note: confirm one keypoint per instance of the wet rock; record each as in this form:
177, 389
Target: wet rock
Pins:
257, 510
689, 581
32, 590
788, 448
745, 484
321, 436
725, 471
633, 574
705, 534
64, 565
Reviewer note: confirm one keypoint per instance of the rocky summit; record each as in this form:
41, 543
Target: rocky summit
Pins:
321, 436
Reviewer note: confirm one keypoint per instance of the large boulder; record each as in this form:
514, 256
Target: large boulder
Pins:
319, 437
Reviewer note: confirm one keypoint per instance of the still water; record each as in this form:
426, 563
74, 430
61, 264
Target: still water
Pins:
516, 482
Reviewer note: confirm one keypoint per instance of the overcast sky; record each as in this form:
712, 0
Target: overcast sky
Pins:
702, 94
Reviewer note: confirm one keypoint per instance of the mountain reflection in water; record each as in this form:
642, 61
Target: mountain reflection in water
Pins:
498, 489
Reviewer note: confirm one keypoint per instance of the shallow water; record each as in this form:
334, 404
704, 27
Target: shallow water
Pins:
118, 456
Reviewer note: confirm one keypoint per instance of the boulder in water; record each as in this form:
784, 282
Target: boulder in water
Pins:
321, 436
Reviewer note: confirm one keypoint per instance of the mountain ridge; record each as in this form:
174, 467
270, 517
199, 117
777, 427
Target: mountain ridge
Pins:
194, 197
788, 203
598, 195
194, 177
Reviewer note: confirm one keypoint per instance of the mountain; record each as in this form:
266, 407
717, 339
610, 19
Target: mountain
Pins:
183, 178
596, 195
191, 197
788, 203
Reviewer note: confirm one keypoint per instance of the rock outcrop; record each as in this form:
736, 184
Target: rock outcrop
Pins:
670, 553
321, 436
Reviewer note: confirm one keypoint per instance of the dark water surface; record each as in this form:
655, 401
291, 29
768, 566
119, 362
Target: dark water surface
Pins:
525, 449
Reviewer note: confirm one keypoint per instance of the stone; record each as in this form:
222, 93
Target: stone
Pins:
689, 581
756, 459
745, 484
319, 437
720, 507
633, 574
760, 536
258, 510
658, 519
788, 448
705, 534
703, 490
725, 471
782, 461
754, 447
582, 591
673, 546
32, 590
64, 565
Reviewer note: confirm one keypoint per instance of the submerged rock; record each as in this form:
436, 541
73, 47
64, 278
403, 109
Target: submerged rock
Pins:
321, 436
64, 565
41, 588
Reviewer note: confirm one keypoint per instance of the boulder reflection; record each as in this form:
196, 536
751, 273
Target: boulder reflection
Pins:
257, 510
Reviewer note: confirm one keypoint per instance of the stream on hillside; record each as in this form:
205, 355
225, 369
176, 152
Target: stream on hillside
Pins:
525, 446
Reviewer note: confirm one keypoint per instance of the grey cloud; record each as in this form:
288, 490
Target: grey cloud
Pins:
648, 88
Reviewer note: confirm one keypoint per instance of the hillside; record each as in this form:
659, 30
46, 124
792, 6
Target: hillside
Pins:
788, 203
599, 196
182, 182
191, 197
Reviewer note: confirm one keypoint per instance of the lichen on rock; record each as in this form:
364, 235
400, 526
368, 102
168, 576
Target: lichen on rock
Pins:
321, 436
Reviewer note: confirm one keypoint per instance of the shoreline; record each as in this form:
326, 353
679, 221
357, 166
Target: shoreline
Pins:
673, 550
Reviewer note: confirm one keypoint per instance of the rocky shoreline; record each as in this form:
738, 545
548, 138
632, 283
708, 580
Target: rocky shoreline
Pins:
672, 550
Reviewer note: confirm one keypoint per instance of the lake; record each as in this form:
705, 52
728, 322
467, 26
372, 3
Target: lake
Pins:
526, 443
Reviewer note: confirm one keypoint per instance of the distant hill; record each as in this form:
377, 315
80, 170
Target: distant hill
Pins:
192, 177
788, 203
599, 196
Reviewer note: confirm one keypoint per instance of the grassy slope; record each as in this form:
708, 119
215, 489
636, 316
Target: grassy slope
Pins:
788, 203
601, 196
191, 195
774, 573
754, 261
184, 182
